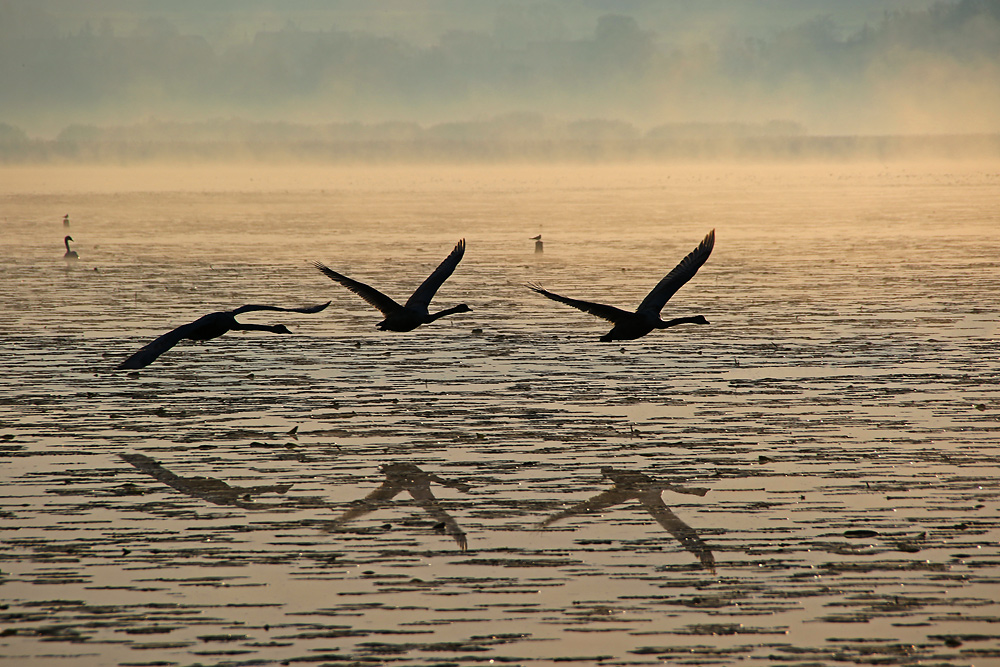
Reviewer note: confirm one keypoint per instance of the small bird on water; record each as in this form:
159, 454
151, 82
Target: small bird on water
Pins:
414, 312
70, 254
208, 327
629, 326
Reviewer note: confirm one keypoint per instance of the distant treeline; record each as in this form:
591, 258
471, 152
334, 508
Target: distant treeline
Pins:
510, 137
928, 70
513, 127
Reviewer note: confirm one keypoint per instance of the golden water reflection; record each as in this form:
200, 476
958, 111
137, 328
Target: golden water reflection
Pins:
843, 408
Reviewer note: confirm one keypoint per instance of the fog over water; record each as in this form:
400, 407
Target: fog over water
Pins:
874, 67
802, 471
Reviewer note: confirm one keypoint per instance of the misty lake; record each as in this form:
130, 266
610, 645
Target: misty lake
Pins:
487, 489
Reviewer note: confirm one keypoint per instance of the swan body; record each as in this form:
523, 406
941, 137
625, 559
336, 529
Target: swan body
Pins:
646, 318
70, 254
414, 312
208, 327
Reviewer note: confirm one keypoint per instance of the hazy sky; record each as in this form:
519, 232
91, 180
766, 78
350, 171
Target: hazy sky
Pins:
423, 22
868, 66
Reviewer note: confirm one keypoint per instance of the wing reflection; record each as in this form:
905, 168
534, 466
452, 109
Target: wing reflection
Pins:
207, 488
647, 490
408, 477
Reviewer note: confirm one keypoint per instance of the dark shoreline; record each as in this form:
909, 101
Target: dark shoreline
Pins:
795, 148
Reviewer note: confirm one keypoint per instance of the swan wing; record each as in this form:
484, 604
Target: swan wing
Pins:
309, 309
374, 298
148, 353
673, 281
422, 296
369, 503
601, 501
150, 466
684, 533
609, 313
422, 494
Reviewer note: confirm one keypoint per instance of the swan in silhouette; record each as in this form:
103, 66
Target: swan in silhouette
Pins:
629, 326
208, 327
70, 254
414, 313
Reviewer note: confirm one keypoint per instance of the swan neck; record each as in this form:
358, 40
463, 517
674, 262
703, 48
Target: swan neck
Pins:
666, 324
443, 313
240, 326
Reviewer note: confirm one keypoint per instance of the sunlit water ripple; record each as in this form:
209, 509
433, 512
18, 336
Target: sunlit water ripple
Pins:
842, 410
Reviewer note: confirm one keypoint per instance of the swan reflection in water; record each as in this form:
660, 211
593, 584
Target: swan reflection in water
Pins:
647, 490
207, 488
401, 477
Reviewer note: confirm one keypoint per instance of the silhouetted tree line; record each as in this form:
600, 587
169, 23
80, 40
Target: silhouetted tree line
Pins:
926, 65
517, 136
512, 127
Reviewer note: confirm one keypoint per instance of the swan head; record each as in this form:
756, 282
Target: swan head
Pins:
699, 319
280, 328
462, 308
68, 238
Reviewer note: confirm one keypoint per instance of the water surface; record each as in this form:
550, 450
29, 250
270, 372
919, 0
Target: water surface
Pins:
841, 415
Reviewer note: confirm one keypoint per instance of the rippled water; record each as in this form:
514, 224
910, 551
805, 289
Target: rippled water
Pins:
809, 480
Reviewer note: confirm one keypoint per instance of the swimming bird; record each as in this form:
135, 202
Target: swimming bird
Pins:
629, 326
414, 313
70, 254
208, 327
